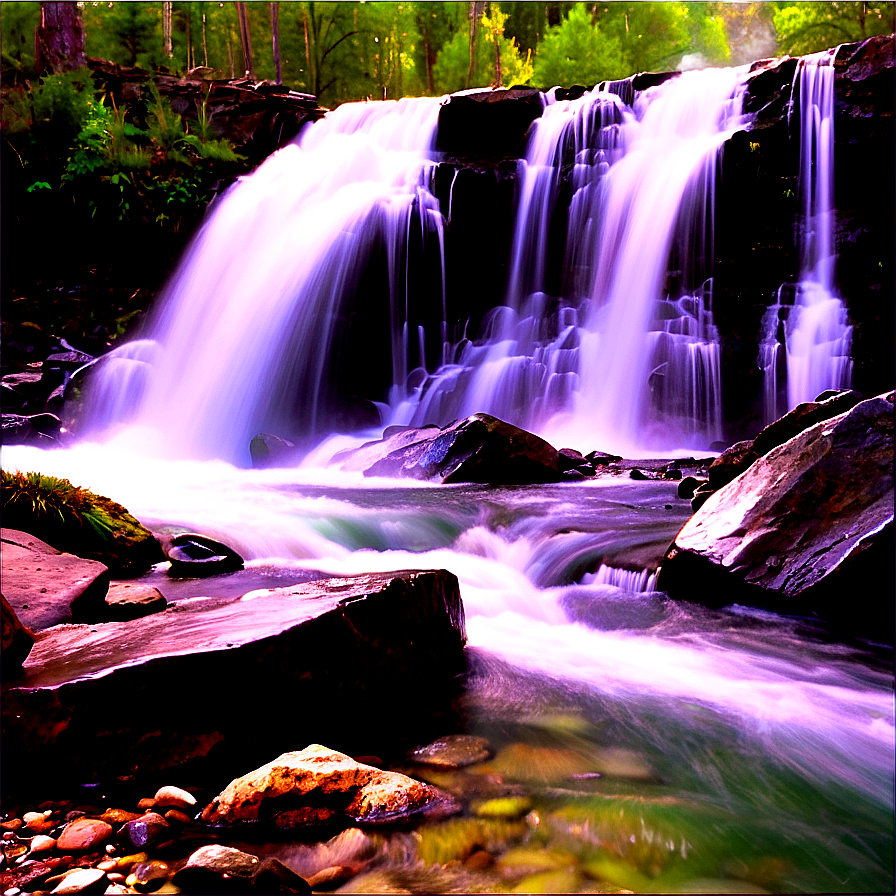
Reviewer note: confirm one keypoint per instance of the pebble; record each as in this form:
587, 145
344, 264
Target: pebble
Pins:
84, 835
453, 751
146, 804
42, 843
80, 880
178, 816
330, 878
174, 798
12, 825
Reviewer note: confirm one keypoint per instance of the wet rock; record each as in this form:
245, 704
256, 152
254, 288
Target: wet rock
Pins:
132, 600
18, 640
174, 797
320, 778
503, 807
358, 639
273, 877
799, 525
84, 880
28, 876
601, 458
331, 877
453, 751
267, 450
480, 448
148, 830
215, 868
144, 874
84, 835
689, 485
42, 843
45, 587
195, 555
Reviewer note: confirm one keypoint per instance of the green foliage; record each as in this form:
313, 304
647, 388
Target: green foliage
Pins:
46, 506
811, 27
453, 72
18, 23
73, 519
129, 33
578, 52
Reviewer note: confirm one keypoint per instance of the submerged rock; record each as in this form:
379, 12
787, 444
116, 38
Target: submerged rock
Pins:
797, 529
480, 448
319, 784
230, 672
195, 555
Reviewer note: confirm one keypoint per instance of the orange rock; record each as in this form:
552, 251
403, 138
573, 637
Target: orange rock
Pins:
84, 835
321, 778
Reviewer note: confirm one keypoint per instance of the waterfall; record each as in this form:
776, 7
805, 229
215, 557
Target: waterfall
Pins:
809, 319
627, 355
251, 330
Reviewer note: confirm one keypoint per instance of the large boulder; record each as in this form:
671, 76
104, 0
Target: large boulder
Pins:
364, 662
319, 785
46, 587
18, 640
480, 448
801, 527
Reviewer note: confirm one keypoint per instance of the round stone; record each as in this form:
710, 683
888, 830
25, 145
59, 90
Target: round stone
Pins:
174, 798
79, 881
42, 843
84, 835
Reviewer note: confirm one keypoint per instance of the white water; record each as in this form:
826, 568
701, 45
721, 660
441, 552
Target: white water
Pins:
816, 335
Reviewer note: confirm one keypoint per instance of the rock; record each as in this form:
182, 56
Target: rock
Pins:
273, 877
320, 778
800, 526
45, 587
331, 877
174, 797
84, 835
131, 600
689, 485
195, 555
18, 640
360, 639
42, 843
268, 450
480, 448
601, 458
146, 831
214, 864
453, 751
84, 880
116, 538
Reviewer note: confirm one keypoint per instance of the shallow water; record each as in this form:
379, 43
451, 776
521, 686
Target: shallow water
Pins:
664, 746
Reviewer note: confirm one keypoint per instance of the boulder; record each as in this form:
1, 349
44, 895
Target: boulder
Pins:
800, 527
194, 555
45, 587
229, 673
480, 448
268, 450
319, 784
224, 869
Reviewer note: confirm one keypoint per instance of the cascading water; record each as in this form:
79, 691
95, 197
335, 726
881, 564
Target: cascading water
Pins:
809, 319
249, 329
667, 747
622, 357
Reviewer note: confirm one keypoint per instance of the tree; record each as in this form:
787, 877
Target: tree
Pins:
124, 32
577, 52
811, 27
245, 39
59, 39
491, 50
275, 42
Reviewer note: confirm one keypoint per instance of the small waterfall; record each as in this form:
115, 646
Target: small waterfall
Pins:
251, 331
813, 327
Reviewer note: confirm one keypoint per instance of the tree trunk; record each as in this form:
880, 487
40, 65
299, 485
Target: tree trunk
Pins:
309, 67
275, 41
497, 58
167, 8
245, 39
59, 38
474, 17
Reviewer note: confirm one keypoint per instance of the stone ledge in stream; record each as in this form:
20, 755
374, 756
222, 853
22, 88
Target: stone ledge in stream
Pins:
806, 529
363, 662
481, 449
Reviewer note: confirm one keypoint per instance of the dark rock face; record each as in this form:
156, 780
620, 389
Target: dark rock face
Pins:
18, 640
195, 555
800, 528
480, 448
353, 653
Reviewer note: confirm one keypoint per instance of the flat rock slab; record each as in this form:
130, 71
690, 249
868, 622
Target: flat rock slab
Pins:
132, 600
46, 587
356, 660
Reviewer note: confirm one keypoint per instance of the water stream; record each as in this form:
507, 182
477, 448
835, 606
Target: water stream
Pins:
665, 747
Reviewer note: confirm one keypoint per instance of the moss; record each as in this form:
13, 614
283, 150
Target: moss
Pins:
77, 521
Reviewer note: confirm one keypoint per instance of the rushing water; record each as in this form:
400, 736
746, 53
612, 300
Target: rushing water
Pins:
664, 746
809, 319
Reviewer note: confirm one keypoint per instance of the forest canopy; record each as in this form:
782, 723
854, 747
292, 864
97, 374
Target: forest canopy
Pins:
343, 51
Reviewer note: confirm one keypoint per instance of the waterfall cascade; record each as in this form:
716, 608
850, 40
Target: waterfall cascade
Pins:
808, 319
605, 337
